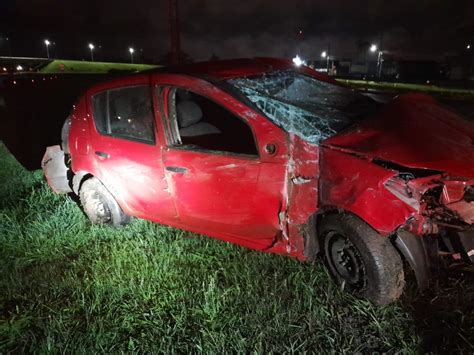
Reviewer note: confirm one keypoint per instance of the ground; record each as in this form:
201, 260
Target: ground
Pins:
69, 286
76, 66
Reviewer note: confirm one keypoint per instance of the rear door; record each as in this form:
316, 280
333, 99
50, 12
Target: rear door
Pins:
126, 147
225, 165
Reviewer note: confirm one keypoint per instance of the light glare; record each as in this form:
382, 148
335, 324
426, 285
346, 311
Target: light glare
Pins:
298, 61
373, 47
324, 54
91, 46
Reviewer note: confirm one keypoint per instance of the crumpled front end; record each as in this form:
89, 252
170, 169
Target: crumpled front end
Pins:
443, 206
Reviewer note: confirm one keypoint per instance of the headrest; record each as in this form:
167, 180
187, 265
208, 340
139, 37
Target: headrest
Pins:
188, 113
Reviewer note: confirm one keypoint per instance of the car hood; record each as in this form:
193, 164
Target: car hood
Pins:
413, 131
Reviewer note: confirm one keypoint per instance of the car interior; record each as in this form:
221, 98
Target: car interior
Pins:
205, 125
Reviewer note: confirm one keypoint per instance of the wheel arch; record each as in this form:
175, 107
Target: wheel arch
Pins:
419, 252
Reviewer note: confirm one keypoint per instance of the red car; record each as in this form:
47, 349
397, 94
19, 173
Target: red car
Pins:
277, 158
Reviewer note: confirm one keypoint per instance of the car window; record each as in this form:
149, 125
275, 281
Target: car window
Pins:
195, 122
312, 109
125, 113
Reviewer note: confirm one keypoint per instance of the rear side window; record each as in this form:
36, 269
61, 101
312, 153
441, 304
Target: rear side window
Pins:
125, 113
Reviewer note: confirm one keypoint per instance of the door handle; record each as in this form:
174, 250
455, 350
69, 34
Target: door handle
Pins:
102, 154
176, 169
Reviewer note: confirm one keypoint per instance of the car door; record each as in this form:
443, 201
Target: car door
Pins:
126, 147
225, 163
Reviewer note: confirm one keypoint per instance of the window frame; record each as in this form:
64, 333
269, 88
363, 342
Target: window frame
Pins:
109, 133
167, 99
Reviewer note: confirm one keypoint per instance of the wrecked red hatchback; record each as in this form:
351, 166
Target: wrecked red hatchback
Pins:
280, 159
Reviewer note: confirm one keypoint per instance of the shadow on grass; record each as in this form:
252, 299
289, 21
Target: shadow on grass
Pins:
33, 110
444, 314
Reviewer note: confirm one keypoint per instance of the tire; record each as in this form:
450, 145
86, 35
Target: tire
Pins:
99, 204
361, 261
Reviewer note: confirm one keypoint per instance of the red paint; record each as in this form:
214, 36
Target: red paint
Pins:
264, 202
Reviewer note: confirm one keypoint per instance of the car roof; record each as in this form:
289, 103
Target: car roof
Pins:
214, 71
229, 68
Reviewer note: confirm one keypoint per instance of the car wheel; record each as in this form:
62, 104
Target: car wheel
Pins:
363, 262
99, 204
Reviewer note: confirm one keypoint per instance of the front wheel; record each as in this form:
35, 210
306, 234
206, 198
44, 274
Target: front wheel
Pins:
363, 262
99, 204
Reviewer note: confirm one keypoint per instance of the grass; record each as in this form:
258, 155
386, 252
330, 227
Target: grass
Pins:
76, 66
430, 89
67, 286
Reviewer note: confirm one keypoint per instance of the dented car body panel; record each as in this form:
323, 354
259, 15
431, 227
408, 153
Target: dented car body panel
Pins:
406, 169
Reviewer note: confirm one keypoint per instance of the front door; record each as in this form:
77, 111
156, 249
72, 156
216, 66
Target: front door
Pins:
221, 183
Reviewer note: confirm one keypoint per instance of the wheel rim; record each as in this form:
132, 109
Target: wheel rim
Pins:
100, 209
345, 261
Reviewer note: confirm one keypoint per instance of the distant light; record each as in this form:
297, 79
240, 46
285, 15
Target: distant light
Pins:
14, 82
19, 67
300, 32
373, 48
131, 50
468, 46
324, 54
91, 46
47, 42
4, 69
298, 61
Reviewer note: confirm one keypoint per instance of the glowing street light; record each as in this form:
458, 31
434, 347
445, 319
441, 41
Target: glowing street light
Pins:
131, 50
298, 61
47, 43
468, 46
91, 47
373, 48
324, 54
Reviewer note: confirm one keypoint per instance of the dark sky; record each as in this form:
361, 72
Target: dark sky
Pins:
428, 29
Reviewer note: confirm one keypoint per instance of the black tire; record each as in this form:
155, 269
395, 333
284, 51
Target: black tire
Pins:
363, 262
99, 204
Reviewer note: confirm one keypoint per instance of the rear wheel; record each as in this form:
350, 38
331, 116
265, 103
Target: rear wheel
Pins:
99, 204
362, 261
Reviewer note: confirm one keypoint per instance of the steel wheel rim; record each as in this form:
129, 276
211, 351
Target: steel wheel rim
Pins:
101, 210
345, 261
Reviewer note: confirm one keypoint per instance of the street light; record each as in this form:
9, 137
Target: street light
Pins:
131, 50
298, 61
468, 46
373, 48
324, 54
91, 47
47, 43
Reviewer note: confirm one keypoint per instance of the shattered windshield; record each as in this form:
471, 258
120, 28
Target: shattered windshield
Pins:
312, 109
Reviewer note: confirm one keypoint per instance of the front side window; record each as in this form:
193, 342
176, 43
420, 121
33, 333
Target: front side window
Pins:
125, 113
197, 123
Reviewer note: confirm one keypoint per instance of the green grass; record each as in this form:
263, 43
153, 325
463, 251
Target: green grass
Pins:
67, 286
76, 66
430, 89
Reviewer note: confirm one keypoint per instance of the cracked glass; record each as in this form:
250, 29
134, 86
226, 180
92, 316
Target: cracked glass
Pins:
312, 109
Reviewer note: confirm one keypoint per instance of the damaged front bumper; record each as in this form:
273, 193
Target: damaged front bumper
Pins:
443, 207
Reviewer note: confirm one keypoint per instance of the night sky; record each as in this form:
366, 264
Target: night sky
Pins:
421, 29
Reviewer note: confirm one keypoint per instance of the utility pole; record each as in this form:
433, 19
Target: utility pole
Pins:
174, 31
380, 57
